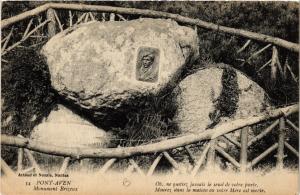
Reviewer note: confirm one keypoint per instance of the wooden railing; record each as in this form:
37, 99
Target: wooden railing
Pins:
157, 14
54, 23
162, 148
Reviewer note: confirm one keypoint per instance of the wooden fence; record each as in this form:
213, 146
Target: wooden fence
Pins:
54, 23
162, 148
212, 136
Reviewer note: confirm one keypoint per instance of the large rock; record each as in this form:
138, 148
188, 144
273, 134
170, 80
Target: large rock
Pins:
214, 95
102, 66
66, 129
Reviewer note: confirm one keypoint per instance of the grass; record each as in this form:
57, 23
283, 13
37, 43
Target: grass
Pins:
151, 122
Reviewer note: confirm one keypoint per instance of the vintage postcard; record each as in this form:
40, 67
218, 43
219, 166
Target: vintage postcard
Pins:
149, 97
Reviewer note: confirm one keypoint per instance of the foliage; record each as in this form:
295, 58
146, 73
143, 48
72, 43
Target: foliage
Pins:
226, 104
151, 122
27, 74
26, 95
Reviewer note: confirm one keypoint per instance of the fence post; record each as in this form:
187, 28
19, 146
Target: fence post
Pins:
211, 154
51, 24
280, 151
112, 17
244, 147
20, 159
